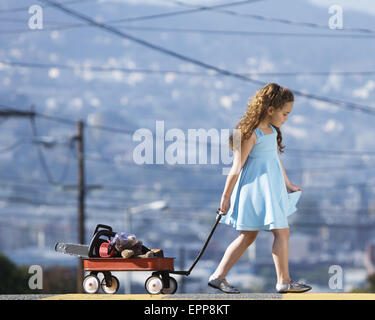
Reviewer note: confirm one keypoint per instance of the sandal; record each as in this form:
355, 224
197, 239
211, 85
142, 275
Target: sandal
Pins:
223, 285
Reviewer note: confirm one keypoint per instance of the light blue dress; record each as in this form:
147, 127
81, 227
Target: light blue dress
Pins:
260, 200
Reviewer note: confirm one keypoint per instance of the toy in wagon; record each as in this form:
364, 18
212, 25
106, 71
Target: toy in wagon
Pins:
110, 251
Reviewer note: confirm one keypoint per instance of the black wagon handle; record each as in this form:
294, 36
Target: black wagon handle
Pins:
219, 215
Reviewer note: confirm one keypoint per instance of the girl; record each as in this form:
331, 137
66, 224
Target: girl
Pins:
255, 195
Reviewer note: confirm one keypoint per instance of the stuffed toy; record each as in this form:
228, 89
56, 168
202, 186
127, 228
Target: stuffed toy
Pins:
127, 246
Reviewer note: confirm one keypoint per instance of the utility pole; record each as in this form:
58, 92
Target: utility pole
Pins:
82, 188
81, 200
81, 184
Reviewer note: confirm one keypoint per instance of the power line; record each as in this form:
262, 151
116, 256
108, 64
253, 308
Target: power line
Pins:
213, 190
25, 182
308, 152
180, 168
7, 109
12, 146
348, 105
7, 113
21, 199
301, 152
65, 26
174, 168
190, 73
353, 36
31, 115
249, 33
207, 212
141, 18
279, 20
224, 72
41, 157
212, 169
35, 183
69, 121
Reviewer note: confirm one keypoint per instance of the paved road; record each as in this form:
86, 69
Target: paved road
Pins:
244, 296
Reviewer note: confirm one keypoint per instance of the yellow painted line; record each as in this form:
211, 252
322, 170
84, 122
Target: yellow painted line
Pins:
77, 296
328, 296
286, 296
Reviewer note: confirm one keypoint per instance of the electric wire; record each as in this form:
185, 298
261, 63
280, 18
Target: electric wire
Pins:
368, 32
279, 20
20, 199
199, 169
190, 73
41, 157
12, 147
308, 152
347, 105
32, 183
141, 18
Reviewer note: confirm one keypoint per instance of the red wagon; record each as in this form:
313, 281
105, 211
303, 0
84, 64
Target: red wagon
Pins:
159, 282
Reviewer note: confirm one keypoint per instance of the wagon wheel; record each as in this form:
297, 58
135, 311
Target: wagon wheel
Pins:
154, 285
172, 287
91, 284
110, 289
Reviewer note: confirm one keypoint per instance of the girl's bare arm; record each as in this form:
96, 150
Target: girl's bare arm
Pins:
287, 181
239, 158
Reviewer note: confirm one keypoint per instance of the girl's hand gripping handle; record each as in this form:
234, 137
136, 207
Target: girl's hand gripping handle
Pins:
224, 205
220, 213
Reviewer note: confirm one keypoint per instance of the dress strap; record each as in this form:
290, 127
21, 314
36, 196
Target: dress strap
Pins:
258, 132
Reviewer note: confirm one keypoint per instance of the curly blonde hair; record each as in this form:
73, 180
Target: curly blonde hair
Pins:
271, 94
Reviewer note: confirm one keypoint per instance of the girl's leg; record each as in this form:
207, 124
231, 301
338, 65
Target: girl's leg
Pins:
280, 254
234, 252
